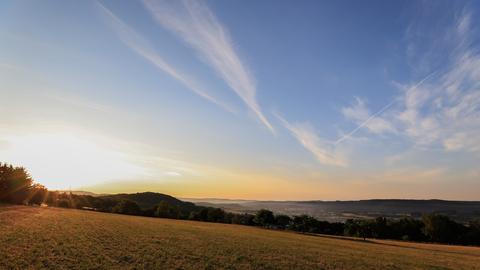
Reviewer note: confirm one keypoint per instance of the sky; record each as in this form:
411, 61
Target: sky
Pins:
270, 100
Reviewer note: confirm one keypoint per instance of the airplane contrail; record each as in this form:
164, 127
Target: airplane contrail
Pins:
347, 136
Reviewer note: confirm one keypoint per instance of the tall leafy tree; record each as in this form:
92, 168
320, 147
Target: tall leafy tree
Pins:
264, 217
15, 184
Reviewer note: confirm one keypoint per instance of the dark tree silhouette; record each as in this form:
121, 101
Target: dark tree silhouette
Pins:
282, 221
216, 215
264, 217
167, 210
127, 207
15, 184
243, 219
439, 228
406, 229
38, 194
305, 223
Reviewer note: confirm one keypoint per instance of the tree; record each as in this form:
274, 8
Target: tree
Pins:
282, 221
243, 219
15, 184
38, 194
380, 228
351, 227
127, 207
203, 214
407, 229
337, 228
264, 218
325, 227
439, 228
167, 210
63, 203
229, 217
216, 215
366, 228
472, 236
304, 223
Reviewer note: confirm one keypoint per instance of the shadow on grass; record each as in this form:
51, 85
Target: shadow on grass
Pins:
374, 242
340, 238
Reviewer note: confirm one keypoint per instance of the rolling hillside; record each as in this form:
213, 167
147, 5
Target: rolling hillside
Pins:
150, 199
54, 238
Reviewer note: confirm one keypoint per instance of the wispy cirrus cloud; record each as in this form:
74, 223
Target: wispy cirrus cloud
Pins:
195, 23
323, 150
144, 48
442, 109
446, 110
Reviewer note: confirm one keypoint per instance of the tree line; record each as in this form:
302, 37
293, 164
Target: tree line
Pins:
17, 187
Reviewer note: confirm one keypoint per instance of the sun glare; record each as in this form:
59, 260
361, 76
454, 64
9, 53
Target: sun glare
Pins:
64, 161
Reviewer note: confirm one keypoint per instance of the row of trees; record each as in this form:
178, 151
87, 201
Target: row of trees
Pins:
16, 186
431, 228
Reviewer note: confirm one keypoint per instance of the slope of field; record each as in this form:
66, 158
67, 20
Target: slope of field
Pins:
53, 238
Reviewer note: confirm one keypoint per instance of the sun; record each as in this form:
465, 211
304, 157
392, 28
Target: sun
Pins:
66, 161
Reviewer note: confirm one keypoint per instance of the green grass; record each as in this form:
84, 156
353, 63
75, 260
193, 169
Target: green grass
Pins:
53, 238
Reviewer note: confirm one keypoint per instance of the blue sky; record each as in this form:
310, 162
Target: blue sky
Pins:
244, 99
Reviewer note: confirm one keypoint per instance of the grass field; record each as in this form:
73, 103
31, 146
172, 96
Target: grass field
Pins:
53, 238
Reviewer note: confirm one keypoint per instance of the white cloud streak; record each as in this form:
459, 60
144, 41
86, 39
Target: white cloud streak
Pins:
323, 150
143, 47
446, 111
361, 115
193, 22
442, 109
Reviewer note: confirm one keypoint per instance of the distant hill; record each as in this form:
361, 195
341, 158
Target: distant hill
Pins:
148, 200
401, 206
81, 192
462, 211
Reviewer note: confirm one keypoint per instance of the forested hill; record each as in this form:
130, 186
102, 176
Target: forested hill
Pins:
148, 200
400, 205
